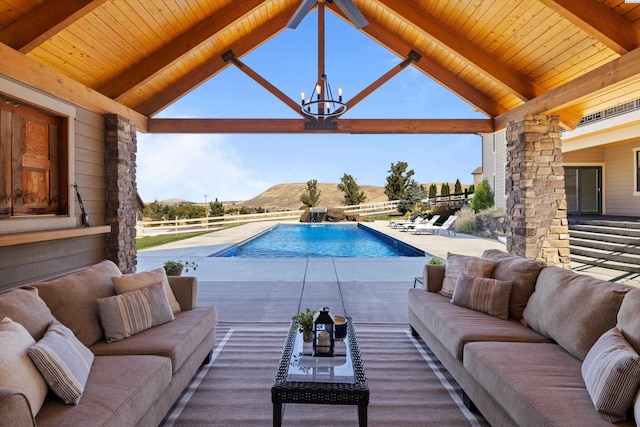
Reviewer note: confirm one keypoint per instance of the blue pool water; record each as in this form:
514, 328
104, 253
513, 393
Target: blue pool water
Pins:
327, 240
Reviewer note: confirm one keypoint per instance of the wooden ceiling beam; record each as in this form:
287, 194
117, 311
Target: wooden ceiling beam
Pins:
602, 79
25, 70
144, 70
215, 64
434, 70
351, 126
519, 85
600, 22
46, 20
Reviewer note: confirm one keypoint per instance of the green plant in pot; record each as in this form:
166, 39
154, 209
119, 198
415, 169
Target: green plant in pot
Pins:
305, 323
175, 268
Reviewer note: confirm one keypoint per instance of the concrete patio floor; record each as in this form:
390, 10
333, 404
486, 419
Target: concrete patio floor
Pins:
273, 289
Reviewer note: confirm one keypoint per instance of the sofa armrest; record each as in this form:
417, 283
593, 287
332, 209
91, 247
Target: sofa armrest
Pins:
14, 408
432, 277
185, 288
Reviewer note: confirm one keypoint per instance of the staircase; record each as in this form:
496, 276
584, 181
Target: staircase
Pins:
607, 242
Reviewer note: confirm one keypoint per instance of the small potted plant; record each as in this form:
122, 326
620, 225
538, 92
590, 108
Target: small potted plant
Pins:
305, 323
175, 268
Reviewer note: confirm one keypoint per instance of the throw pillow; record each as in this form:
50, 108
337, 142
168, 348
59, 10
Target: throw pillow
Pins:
63, 361
457, 264
611, 372
23, 305
481, 294
17, 372
133, 282
130, 313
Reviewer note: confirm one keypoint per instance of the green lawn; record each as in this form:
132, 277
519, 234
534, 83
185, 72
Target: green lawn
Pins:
151, 241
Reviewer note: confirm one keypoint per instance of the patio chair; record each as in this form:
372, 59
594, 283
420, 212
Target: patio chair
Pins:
432, 228
399, 223
424, 222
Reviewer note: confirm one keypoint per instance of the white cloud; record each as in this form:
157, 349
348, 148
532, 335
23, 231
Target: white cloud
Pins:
190, 166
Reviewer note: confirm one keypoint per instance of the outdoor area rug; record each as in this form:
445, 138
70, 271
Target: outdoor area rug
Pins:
408, 385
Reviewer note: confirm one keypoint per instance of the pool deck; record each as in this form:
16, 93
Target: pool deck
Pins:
272, 289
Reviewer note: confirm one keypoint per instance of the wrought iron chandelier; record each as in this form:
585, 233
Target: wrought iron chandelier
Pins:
321, 104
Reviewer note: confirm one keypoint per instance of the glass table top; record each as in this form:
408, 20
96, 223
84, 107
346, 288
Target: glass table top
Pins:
304, 367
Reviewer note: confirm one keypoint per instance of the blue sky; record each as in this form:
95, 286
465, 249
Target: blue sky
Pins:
240, 166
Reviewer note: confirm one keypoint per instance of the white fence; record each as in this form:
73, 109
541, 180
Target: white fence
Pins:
157, 228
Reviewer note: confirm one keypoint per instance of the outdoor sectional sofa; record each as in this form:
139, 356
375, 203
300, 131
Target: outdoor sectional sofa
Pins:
133, 381
527, 370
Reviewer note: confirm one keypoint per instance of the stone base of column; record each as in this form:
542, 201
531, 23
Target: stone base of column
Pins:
121, 201
536, 199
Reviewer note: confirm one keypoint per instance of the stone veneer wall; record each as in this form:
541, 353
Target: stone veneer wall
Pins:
120, 181
536, 199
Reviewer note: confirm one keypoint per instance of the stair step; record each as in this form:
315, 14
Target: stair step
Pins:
603, 255
610, 230
605, 237
605, 245
631, 223
631, 268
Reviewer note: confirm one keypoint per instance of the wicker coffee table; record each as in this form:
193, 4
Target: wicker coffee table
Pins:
302, 378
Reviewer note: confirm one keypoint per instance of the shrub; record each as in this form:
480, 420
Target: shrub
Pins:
435, 261
466, 222
483, 197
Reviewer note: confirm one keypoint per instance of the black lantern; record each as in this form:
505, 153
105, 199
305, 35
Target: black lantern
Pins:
324, 333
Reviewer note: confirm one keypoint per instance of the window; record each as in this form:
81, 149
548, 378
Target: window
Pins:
33, 161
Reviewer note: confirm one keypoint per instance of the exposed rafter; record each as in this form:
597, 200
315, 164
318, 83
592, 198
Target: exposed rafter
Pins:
44, 21
601, 79
122, 84
600, 22
434, 70
214, 65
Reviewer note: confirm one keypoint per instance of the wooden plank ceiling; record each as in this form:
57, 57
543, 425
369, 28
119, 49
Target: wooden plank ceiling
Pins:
505, 57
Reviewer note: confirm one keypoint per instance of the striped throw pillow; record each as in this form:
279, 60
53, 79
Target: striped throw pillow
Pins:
611, 372
63, 361
130, 313
483, 294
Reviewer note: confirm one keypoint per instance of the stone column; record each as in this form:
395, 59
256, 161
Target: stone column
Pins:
120, 183
536, 199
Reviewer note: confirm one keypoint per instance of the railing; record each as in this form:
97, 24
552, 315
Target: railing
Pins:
195, 225
455, 200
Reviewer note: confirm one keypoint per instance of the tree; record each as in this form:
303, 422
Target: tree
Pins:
216, 208
353, 195
398, 180
483, 197
444, 189
311, 196
471, 189
415, 193
457, 188
433, 190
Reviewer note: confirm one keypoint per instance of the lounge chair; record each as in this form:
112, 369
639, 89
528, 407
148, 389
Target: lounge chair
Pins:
400, 223
432, 228
425, 221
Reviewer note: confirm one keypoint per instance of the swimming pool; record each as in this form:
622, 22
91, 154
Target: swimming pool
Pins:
322, 240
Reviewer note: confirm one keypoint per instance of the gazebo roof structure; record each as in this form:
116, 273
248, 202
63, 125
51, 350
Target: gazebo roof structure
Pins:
507, 58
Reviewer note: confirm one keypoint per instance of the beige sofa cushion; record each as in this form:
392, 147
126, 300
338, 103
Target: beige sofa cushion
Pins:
119, 392
176, 340
457, 264
23, 305
73, 299
521, 272
536, 384
456, 326
17, 372
573, 309
132, 282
